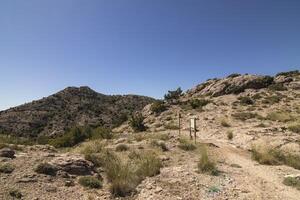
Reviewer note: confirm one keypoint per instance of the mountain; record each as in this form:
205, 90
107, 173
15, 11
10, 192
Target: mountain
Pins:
70, 107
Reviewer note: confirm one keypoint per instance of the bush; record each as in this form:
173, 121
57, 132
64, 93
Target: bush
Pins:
245, 100
173, 95
90, 182
137, 122
6, 168
198, 103
46, 168
171, 126
15, 193
292, 181
272, 99
101, 133
244, 115
148, 164
229, 135
294, 127
280, 116
233, 75
256, 96
160, 144
72, 137
289, 73
158, 107
225, 123
272, 156
122, 147
186, 145
277, 87
205, 165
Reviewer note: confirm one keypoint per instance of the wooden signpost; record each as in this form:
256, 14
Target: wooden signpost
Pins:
179, 123
193, 128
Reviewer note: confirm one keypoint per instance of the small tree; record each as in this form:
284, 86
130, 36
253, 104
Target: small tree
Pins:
137, 122
158, 107
174, 95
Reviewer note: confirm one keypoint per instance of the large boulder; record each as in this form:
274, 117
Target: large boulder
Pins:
7, 152
231, 85
73, 164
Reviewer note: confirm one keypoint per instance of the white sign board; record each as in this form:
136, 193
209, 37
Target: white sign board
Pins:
193, 123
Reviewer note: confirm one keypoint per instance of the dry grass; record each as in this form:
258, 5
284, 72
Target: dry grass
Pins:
205, 164
122, 147
280, 116
186, 144
225, 123
295, 127
229, 135
159, 144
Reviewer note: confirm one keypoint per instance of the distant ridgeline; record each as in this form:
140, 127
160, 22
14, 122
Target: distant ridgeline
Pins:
71, 107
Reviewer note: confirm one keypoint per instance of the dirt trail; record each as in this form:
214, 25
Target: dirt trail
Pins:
259, 181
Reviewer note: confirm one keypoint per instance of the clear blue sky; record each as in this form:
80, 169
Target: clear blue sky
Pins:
140, 46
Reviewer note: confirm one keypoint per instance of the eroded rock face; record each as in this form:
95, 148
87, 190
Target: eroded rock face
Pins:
7, 152
73, 164
232, 85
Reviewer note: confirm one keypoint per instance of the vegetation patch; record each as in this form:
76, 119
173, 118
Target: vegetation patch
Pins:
272, 99
137, 122
225, 123
122, 147
186, 144
229, 135
6, 168
173, 95
171, 126
198, 103
159, 144
280, 116
158, 107
295, 127
245, 100
15, 193
90, 182
277, 87
244, 115
205, 164
46, 168
292, 181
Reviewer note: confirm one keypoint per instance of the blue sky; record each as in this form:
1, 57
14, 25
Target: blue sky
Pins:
140, 46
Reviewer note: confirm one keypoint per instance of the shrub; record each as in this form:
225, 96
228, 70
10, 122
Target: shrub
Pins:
272, 99
72, 137
15, 193
289, 73
198, 103
158, 107
90, 182
245, 100
101, 133
148, 164
280, 116
225, 123
46, 168
160, 144
294, 127
186, 145
174, 95
205, 165
277, 87
292, 181
137, 122
244, 115
233, 75
122, 147
171, 126
229, 135
6, 168
256, 96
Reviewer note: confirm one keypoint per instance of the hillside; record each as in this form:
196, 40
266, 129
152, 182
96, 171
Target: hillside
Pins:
68, 108
247, 148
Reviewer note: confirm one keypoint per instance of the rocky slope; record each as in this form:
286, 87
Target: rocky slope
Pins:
70, 107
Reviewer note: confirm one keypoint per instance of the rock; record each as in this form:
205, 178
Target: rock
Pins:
164, 158
296, 176
7, 152
69, 183
158, 189
73, 164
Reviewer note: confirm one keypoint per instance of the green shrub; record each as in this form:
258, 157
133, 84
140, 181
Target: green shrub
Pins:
90, 182
101, 133
289, 73
272, 99
158, 107
245, 100
137, 122
292, 181
122, 147
186, 145
229, 135
277, 87
46, 168
280, 116
198, 103
205, 165
244, 115
295, 127
148, 164
174, 95
15, 193
6, 168
233, 75
72, 137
